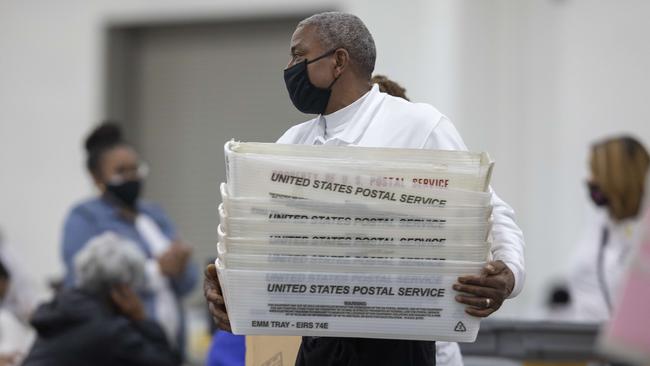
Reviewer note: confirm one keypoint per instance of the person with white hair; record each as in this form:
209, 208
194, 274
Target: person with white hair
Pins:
101, 320
329, 74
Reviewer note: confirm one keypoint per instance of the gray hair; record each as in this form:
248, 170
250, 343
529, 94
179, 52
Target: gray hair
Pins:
107, 260
341, 30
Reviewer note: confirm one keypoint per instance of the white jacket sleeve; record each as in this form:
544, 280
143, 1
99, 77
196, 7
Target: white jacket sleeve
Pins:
507, 239
24, 294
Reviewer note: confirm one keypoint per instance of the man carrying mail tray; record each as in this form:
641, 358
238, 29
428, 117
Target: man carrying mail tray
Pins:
332, 60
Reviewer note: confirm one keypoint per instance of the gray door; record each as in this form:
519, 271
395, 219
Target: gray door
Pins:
183, 91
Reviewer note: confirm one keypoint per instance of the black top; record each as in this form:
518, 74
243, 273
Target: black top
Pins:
328, 351
76, 329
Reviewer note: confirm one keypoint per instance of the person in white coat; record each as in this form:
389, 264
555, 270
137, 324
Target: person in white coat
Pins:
15, 337
18, 299
332, 59
23, 295
619, 167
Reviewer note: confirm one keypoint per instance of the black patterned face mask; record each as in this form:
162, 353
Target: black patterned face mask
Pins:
304, 95
126, 192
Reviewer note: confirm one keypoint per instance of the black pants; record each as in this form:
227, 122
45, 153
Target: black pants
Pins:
326, 351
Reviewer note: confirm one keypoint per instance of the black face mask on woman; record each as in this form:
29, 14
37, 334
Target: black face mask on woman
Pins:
597, 195
305, 96
125, 192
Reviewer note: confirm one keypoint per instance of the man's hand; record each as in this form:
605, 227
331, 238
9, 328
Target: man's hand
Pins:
173, 261
485, 293
128, 302
216, 303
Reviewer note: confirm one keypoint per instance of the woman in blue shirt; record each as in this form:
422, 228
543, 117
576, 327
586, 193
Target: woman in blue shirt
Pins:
118, 174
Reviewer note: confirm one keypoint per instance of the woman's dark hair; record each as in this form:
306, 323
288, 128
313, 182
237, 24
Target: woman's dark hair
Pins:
619, 166
103, 138
388, 86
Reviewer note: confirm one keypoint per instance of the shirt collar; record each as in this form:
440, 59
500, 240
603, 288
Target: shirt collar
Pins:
358, 120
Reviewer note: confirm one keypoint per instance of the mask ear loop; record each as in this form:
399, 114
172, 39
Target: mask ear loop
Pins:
328, 53
333, 81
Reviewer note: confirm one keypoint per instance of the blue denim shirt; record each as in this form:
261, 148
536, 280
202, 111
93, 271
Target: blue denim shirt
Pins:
96, 216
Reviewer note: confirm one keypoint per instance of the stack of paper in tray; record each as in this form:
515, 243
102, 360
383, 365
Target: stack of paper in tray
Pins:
350, 241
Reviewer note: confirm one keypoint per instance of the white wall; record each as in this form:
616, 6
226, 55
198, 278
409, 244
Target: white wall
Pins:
48, 95
533, 82
51, 76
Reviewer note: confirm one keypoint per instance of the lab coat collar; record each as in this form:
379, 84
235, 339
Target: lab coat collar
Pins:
359, 122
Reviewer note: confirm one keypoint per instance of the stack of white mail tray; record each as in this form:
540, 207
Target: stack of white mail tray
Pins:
351, 241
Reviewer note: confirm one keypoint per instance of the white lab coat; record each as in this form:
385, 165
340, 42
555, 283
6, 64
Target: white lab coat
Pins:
380, 120
23, 294
21, 299
16, 338
588, 303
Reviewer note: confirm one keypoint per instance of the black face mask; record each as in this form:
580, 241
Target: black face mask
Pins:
305, 96
126, 193
597, 195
